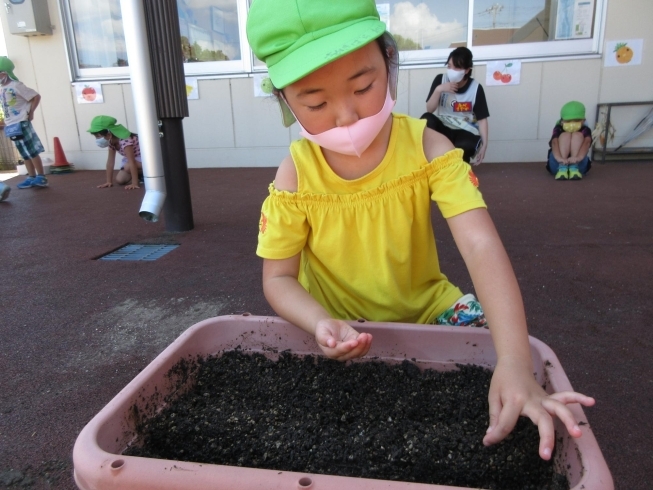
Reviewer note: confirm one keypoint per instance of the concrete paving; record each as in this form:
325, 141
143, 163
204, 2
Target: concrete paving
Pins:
75, 330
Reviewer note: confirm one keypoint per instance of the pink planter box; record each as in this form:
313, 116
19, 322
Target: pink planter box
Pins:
99, 464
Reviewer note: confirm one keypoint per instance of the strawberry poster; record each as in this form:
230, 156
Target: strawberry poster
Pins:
507, 72
89, 93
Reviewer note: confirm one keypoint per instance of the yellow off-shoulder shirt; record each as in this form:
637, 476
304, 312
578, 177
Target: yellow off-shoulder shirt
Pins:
367, 245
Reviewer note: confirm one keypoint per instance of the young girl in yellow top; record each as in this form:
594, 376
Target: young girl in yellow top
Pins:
346, 230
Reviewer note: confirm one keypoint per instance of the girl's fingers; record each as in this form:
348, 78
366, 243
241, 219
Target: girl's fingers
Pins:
564, 414
346, 349
505, 423
495, 409
547, 434
573, 397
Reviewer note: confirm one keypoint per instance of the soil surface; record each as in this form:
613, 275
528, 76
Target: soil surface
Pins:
365, 419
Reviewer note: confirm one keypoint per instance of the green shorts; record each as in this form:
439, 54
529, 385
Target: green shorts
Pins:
29, 145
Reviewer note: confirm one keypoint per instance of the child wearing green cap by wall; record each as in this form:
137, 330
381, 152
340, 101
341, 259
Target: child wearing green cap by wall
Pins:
18, 104
346, 230
570, 142
118, 139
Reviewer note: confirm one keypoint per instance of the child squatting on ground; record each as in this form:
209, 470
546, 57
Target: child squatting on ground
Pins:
117, 138
570, 143
18, 104
346, 231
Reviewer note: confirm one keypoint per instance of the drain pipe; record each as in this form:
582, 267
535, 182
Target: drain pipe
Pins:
140, 69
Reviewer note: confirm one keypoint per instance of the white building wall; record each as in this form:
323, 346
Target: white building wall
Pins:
229, 127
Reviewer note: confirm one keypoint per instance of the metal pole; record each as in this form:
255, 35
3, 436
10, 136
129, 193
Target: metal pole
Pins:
167, 64
133, 19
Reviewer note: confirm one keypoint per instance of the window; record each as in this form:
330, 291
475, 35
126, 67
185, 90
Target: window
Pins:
99, 41
213, 39
427, 30
212, 36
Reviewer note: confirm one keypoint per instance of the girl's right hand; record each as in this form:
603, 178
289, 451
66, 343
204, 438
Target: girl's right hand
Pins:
106, 184
449, 87
338, 340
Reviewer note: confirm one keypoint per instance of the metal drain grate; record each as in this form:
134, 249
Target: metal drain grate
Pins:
133, 251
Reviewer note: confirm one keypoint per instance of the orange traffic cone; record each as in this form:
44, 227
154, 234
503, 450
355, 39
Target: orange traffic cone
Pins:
60, 165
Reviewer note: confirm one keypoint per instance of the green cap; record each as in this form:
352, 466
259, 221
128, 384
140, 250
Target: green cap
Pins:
7, 66
100, 123
296, 37
572, 110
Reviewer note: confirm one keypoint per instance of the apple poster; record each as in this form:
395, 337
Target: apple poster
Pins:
89, 93
507, 72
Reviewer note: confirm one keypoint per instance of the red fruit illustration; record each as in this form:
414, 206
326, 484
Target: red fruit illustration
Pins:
263, 223
502, 75
473, 179
89, 93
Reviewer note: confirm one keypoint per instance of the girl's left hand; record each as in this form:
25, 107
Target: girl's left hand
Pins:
131, 186
480, 155
514, 392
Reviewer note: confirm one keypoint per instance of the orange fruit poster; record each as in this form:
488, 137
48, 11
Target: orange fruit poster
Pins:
623, 52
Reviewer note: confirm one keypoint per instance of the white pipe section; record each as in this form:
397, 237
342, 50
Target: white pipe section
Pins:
140, 69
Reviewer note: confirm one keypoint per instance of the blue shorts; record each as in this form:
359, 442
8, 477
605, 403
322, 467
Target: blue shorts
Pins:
583, 166
29, 146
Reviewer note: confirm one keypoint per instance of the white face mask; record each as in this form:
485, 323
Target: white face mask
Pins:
455, 76
102, 142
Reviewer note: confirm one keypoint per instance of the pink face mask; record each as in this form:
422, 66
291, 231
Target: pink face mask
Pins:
355, 138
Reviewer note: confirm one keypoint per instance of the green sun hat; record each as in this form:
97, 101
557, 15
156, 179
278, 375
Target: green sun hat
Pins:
572, 110
100, 123
296, 37
7, 66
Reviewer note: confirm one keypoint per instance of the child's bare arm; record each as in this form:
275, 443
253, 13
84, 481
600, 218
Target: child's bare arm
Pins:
583, 150
132, 168
514, 390
555, 149
483, 130
434, 100
337, 339
435, 144
494, 281
34, 102
111, 161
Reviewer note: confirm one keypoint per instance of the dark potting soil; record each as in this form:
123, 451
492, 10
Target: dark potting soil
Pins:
364, 419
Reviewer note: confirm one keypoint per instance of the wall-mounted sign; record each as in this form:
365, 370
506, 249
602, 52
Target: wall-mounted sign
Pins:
507, 72
192, 91
574, 19
89, 93
262, 85
624, 52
